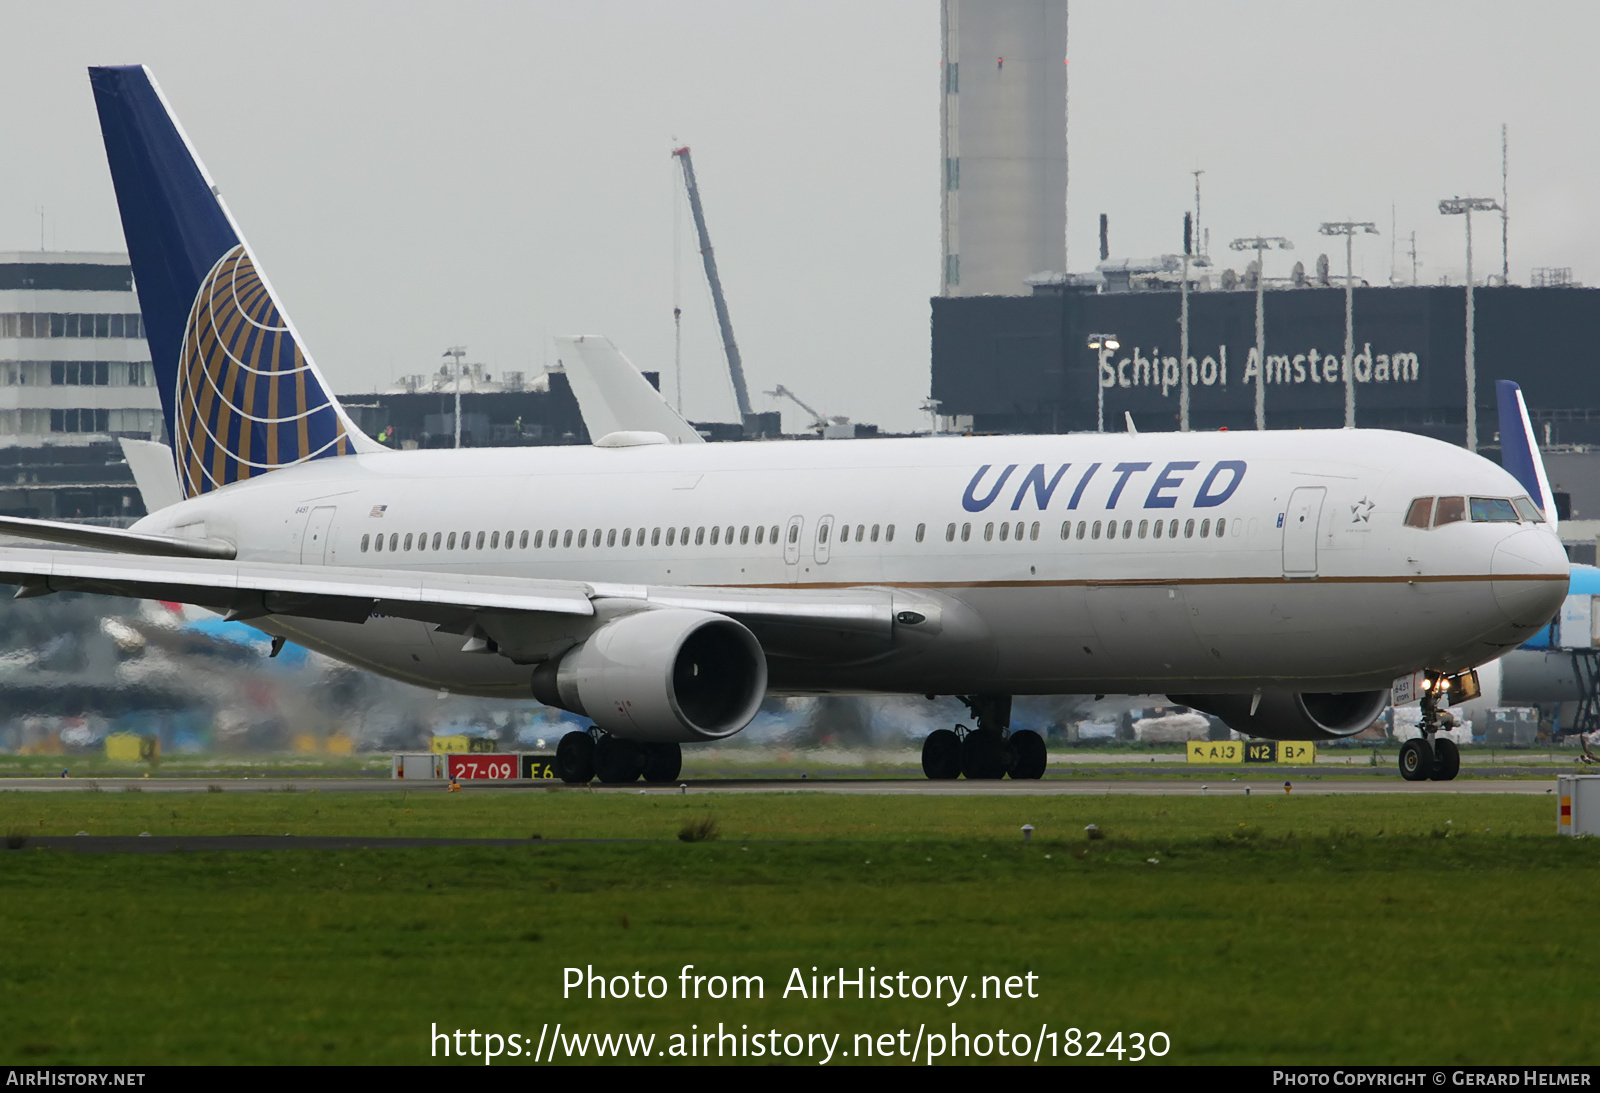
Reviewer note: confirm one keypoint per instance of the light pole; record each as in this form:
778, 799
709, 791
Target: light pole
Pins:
457, 351
1348, 229
1465, 207
1103, 345
1259, 244
1183, 317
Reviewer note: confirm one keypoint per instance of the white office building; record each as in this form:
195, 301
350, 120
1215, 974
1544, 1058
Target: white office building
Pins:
74, 365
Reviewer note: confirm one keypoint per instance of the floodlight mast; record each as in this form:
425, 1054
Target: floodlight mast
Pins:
1183, 316
1348, 229
457, 351
1259, 243
1102, 344
1465, 207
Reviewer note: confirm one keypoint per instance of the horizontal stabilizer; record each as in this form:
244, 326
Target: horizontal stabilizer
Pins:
153, 472
256, 589
114, 539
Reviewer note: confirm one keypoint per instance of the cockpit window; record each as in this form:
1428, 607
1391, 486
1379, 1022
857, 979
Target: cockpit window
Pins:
1528, 510
1451, 510
1420, 515
1493, 510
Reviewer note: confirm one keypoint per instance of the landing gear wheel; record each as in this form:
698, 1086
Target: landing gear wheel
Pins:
984, 755
617, 761
1446, 760
575, 758
1416, 760
1028, 754
941, 755
662, 762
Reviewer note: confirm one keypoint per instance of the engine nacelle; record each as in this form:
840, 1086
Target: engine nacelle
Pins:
1293, 715
672, 674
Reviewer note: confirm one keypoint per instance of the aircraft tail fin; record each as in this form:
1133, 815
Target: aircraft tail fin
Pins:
1519, 448
613, 395
240, 394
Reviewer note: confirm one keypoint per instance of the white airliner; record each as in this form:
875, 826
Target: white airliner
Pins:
1279, 580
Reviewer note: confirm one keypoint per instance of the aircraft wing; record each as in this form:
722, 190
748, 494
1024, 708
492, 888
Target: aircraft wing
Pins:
515, 611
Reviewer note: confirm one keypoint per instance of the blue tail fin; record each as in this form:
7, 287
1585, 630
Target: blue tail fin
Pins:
240, 394
1519, 448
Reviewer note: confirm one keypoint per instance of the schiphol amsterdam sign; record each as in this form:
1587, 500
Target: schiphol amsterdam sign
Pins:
1122, 368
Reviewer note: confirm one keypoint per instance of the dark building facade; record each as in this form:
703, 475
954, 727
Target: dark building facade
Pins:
499, 419
89, 482
1023, 363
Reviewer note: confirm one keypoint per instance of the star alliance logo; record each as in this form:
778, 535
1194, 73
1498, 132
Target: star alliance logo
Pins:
1360, 511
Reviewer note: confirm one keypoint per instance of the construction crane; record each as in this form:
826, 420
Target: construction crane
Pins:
735, 365
818, 421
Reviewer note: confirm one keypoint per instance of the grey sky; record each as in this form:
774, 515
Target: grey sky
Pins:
415, 176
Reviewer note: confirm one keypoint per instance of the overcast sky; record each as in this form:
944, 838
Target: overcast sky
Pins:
415, 176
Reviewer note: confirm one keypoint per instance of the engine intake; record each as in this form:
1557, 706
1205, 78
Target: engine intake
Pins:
1293, 715
673, 674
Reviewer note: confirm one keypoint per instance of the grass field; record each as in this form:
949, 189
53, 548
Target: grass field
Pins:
1407, 929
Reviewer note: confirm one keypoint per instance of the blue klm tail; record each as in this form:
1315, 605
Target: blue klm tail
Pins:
240, 394
1519, 448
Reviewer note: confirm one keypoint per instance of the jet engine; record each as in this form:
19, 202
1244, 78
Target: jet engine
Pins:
670, 675
1293, 715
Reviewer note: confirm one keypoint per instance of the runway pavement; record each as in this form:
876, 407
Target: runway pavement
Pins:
1052, 785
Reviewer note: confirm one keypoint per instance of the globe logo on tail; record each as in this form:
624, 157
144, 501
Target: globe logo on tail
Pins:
248, 401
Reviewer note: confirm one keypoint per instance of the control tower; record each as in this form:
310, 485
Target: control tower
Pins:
1003, 109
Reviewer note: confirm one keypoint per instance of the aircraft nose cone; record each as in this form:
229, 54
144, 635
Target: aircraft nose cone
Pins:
1535, 571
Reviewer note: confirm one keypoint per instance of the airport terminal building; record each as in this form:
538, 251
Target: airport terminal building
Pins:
1018, 364
75, 374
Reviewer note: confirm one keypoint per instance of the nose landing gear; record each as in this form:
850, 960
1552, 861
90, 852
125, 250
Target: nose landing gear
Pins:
989, 751
1425, 759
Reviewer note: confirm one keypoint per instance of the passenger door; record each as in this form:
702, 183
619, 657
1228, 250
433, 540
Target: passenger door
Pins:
1300, 522
314, 539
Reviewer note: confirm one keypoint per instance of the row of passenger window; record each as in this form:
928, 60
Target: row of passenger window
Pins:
863, 534
1092, 530
581, 537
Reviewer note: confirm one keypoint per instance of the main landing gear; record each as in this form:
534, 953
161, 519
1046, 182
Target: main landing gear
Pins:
1424, 758
584, 755
988, 751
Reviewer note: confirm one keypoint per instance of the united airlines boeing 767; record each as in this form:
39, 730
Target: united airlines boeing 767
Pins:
1279, 580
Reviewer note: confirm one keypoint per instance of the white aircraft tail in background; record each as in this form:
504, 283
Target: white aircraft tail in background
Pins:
614, 397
